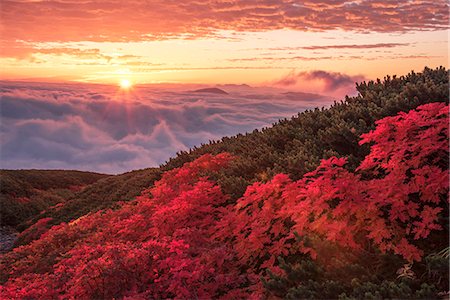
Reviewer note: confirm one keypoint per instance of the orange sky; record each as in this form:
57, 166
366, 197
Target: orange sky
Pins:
213, 42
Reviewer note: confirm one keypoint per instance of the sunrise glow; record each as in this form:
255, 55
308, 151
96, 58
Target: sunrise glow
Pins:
219, 42
125, 84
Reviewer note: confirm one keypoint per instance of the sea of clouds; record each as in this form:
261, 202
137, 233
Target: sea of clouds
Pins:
100, 128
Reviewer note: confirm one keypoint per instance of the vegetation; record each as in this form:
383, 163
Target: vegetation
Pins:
107, 192
348, 202
297, 145
371, 233
24, 193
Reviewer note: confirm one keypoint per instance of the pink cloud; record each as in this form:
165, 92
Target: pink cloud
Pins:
344, 46
331, 83
111, 20
357, 46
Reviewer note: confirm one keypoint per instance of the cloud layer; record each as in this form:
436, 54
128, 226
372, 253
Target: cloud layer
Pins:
97, 128
116, 20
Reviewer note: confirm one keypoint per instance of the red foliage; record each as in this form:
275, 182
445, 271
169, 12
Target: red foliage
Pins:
254, 227
35, 231
159, 246
409, 163
180, 239
394, 199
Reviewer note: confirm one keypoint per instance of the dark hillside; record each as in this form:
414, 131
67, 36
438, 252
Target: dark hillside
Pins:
102, 194
21, 182
24, 193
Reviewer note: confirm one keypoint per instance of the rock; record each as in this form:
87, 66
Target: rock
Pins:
8, 236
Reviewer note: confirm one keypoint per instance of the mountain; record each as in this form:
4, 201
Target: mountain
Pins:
211, 91
349, 201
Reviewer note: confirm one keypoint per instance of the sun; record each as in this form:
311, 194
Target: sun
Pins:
125, 84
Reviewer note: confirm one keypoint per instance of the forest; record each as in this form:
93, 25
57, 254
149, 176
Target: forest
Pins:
344, 202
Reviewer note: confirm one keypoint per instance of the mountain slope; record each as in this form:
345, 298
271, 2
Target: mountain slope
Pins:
293, 146
102, 194
24, 193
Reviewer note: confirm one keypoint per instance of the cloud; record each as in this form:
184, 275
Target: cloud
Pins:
326, 47
270, 57
335, 83
300, 58
280, 58
27, 51
357, 46
98, 128
112, 20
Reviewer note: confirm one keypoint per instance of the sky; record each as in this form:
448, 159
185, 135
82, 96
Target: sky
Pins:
108, 85
218, 41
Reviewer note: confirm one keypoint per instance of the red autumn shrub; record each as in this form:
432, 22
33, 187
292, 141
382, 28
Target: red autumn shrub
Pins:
159, 246
34, 232
393, 200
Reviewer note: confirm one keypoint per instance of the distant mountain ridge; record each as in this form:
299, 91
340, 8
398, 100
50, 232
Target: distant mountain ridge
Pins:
211, 91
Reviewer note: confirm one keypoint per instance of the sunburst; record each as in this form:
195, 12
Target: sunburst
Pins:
125, 84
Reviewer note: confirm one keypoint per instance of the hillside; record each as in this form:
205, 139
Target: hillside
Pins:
24, 193
104, 193
349, 201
